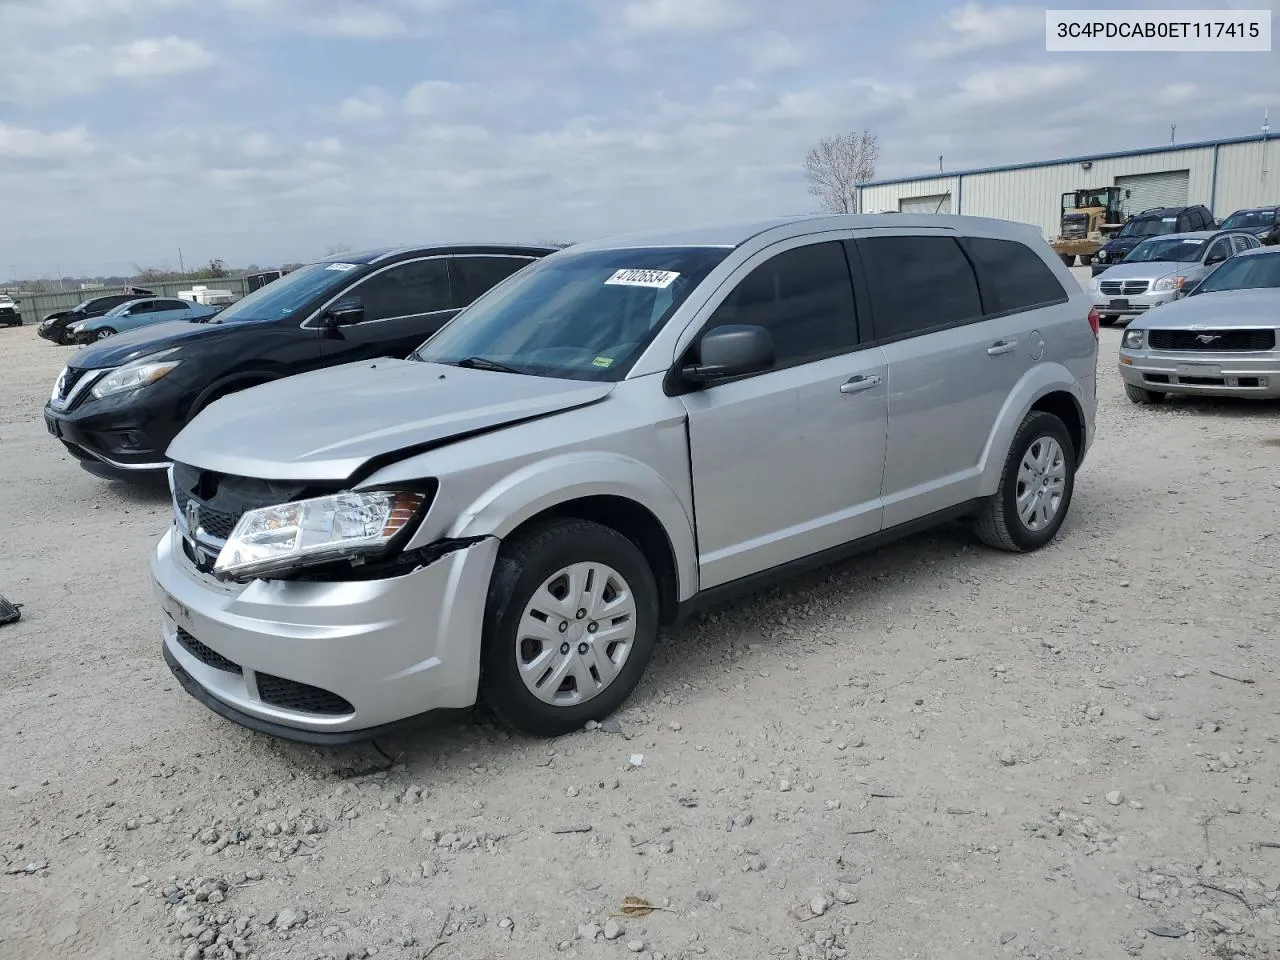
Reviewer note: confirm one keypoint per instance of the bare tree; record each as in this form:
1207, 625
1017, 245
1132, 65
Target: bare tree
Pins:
837, 165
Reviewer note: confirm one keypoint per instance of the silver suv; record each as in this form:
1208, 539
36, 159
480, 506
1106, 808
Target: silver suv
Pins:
610, 439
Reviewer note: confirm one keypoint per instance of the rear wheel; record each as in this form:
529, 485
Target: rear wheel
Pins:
570, 623
1139, 395
103, 333
1035, 488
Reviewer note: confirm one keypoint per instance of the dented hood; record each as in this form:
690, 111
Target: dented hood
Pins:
328, 424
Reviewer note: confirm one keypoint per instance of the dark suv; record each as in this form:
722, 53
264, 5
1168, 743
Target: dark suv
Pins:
54, 326
1155, 222
119, 403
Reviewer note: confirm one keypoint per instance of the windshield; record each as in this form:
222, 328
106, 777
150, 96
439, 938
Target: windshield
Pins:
1149, 227
1172, 250
288, 294
1249, 220
1244, 273
581, 316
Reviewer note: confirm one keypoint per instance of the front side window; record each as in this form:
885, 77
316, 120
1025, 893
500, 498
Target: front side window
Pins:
1219, 250
579, 315
406, 290
1256, 271
803, 297
474, 276
1178, 250
918, 284
1012, 277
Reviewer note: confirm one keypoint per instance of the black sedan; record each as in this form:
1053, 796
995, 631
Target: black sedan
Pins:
119, 403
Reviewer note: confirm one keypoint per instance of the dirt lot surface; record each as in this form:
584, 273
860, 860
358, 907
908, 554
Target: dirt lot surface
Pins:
933, 751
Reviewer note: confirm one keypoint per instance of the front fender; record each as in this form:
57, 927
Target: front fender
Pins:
1040, 381
538, 487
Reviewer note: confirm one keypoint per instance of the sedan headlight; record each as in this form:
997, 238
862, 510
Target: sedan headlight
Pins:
1101, 255
1165, 284
134, 375
342, 526
1134, 339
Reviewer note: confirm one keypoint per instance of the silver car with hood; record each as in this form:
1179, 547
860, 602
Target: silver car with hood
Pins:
615, 437
1156, 271
1218, 341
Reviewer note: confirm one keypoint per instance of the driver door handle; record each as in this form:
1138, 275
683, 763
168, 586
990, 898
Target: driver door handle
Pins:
859, 383
1002, 346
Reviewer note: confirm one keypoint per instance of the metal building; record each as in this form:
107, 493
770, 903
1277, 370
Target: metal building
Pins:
1224, 175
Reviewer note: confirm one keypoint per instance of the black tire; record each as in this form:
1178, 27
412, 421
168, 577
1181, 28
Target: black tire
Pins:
999, 525
523, 566
1139, 395
103, 334
1107, 319
1068, 260
1086, 260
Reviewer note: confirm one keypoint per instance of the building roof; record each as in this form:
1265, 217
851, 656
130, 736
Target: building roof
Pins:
1139, 152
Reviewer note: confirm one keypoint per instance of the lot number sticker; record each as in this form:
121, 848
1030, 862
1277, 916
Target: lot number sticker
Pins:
341, 266
659, 279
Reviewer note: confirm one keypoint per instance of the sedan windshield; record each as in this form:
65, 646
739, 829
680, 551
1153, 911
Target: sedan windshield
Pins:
1149, 227
1250, 220
1174, 251
1244, 273
288, 294
119, 310
581, 316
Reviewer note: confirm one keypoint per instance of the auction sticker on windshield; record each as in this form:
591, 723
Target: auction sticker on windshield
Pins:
660, 279
341, 266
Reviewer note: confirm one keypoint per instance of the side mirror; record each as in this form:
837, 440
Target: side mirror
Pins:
345, 311
733, 350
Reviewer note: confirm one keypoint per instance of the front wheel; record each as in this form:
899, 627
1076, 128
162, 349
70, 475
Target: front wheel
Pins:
103, 334
1138, 395
570, 623
1035, 488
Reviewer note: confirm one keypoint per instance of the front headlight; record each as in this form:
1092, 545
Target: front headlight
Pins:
1165, 284
134, 375
1134, 339
342, 526
1101, 255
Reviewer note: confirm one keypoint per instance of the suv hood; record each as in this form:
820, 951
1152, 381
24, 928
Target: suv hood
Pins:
327, 424
1228, 308
130, 346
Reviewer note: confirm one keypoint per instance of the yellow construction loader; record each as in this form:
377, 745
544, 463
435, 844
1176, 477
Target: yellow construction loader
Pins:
1089, 218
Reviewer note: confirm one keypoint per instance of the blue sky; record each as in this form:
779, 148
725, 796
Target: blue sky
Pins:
273, 130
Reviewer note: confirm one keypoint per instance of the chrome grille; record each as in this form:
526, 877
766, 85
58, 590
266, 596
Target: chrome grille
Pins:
1123, 288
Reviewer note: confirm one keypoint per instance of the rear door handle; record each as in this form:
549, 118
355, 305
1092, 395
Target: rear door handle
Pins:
1002, 346
859, 383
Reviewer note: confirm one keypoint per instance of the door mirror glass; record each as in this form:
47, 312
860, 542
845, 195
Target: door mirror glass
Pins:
733, 350
346, 311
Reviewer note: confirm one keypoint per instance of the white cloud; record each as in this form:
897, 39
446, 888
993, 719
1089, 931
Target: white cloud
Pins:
62, 14
662, 16
772, 52
324, 147
20, 143
361, 109
158, 57
1008, 85
258, 145
347, 19
34, 76
974, 27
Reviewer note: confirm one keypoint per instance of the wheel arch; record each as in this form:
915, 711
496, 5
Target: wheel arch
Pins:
611, 489
1049, 388
231, 383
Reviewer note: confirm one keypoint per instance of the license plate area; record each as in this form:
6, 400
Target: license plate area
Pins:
1119, 304
53, 426
176, 612
1197, 370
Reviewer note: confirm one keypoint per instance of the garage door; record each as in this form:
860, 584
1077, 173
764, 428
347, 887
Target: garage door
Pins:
938, 203
1147, 190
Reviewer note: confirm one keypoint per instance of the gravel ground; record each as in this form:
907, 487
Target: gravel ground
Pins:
931, 751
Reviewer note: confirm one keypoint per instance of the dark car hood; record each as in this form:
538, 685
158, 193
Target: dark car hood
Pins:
327, 424
1122, 244
127, 347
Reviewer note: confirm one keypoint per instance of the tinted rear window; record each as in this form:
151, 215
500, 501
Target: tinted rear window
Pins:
1012, 277
918, 284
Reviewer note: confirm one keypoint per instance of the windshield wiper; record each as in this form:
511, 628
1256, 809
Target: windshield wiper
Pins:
484, 363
